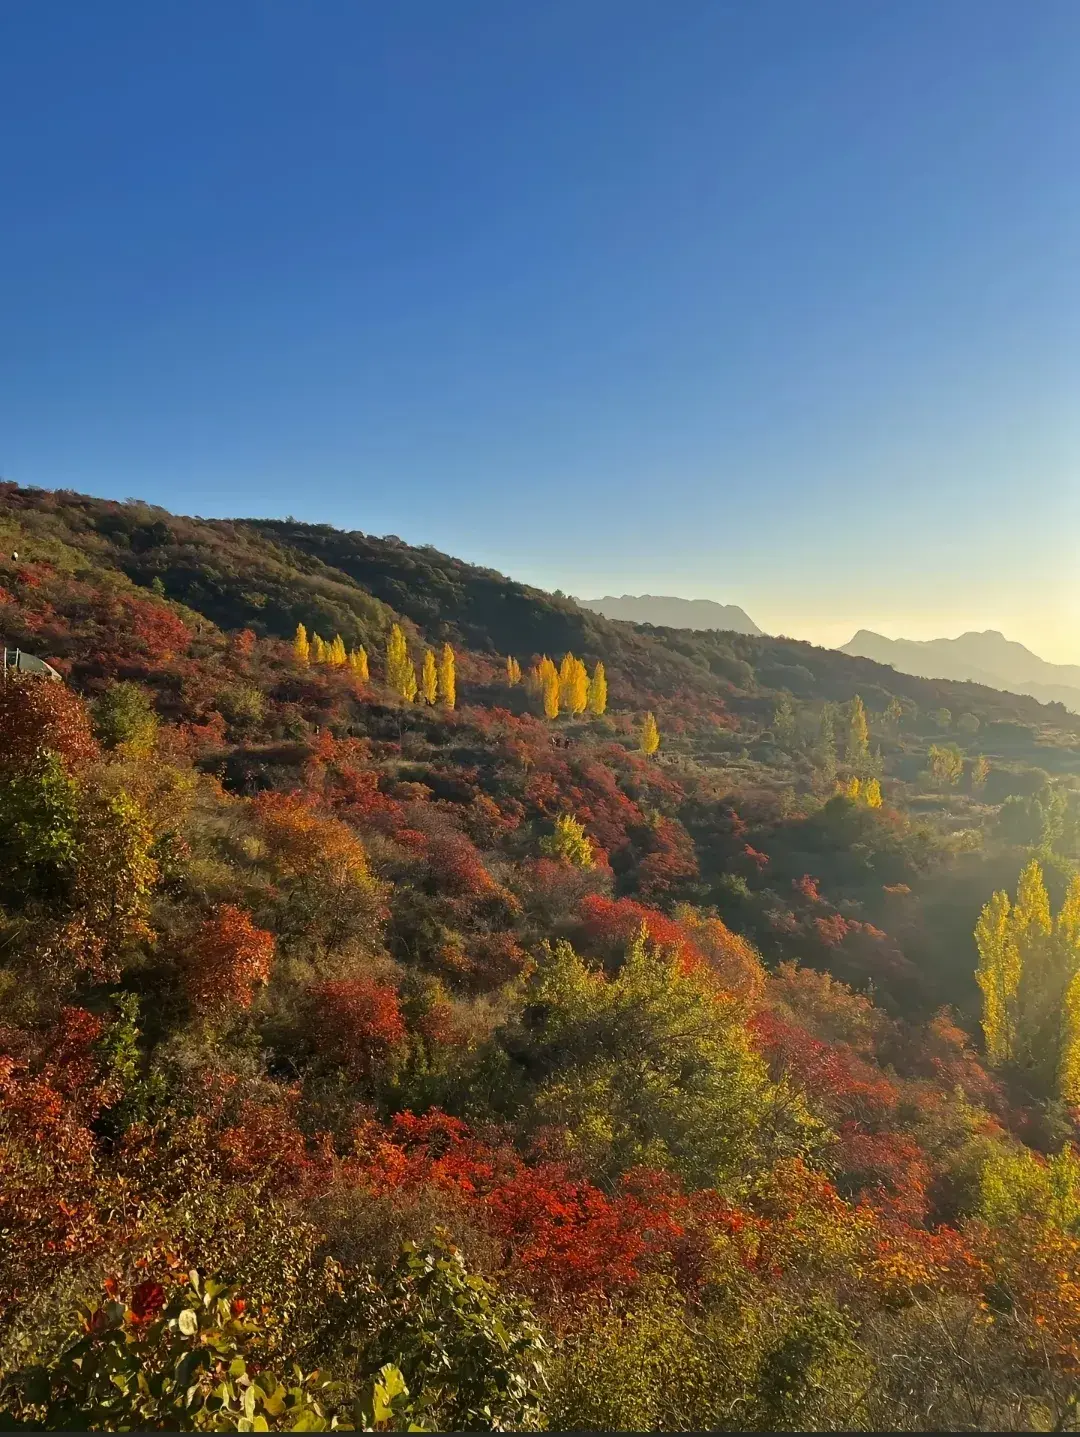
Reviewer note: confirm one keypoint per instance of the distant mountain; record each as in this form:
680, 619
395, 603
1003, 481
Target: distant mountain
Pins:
986, 658
671, 613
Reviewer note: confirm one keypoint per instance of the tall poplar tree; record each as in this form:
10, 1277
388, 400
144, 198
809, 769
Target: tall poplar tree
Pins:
598, 690
448, 677
429, 678
548, 676
1029, 974
318, 650
650, 735
358, 662
336, 654
857, 750
301, 646
513, 671
400, 672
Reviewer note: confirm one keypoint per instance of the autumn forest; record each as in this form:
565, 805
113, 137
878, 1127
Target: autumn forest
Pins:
426, 1004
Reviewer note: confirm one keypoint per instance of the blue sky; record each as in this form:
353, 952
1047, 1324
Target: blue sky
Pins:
773, 303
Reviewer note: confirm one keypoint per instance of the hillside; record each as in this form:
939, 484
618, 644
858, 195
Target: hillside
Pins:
346, 904
672, 613
987, 658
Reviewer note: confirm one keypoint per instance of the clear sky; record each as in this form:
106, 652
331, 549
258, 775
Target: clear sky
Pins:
775, 302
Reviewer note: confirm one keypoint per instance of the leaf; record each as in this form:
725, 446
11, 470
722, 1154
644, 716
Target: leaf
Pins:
188, 1322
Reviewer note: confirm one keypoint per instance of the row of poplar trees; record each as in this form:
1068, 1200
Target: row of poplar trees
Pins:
569, 688
436, 682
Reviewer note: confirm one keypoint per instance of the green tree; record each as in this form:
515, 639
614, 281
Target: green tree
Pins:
649, 1067
124, 714
857, 747
1029, 974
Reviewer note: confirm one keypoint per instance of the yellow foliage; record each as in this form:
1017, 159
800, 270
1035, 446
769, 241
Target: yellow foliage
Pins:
573, 685
358, 662
448, 677
650, 735
548, 677
335, 653
513, 671
569, 842
301, 647
598, 690
429, 679
872, 793
319, 651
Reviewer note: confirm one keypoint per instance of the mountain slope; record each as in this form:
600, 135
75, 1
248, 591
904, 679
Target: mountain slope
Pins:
984, 658
270, 575
673, 613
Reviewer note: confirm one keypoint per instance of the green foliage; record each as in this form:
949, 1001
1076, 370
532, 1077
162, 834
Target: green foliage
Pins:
124, 714
174, 1362
473, 1357
649, 1067
1019, 1185
39, 832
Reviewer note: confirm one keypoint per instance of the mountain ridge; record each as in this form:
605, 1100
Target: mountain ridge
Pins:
670, 612
985, 657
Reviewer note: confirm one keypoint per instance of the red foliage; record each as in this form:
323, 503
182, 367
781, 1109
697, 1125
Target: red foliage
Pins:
226, 957
808, 888
39, 714
608, 926
358, 1023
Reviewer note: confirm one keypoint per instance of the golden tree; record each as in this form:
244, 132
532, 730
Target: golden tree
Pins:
400, 672
319, 651
429, 678
573, 685
1029, 974
513, 671
548, 676
569, 842
336, 654
650, 735
872, 793
301, 647
358, 662
598, 691
448, 676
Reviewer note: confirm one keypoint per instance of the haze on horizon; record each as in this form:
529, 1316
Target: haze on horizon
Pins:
774, 304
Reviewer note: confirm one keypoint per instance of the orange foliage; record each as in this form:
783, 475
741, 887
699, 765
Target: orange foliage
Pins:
38, 715
226, 957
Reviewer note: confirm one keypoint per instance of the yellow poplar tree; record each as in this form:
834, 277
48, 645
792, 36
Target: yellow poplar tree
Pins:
872, 793
399, 666
358, 662
448, 676
318, 650
577, 688
429, 679
598, 691
998, 975
548, 676
301, 647
650, 735
513, 671
1029, 974
336, 654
